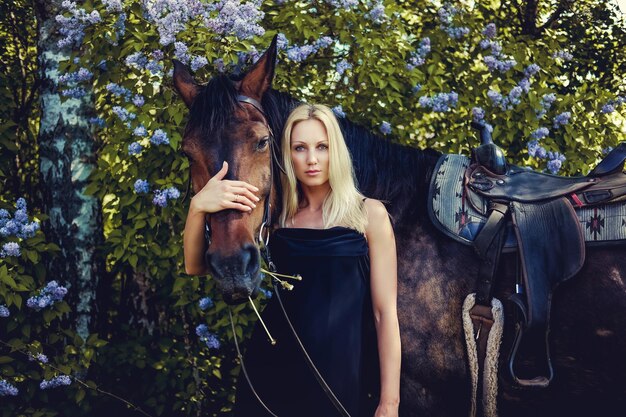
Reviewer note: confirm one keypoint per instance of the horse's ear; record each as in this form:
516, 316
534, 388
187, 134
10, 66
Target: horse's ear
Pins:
184, 82
259, 79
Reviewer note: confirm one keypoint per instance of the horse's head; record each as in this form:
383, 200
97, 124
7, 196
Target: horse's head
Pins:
224, 126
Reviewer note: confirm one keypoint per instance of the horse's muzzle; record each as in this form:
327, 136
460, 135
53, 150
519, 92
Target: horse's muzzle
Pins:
237, 275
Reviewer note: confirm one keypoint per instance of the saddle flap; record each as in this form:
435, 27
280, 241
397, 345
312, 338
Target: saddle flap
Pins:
551, 247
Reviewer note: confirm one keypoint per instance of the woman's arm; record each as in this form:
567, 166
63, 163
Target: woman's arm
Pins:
216, 195
383, 274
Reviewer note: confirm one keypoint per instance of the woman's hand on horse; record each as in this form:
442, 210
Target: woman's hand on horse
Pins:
219, 194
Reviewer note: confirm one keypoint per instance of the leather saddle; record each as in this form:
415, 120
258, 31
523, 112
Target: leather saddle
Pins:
541, 211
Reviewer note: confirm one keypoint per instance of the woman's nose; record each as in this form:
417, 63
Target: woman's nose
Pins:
312, 159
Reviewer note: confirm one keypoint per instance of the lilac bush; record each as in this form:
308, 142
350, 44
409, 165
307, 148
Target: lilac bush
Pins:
52, 293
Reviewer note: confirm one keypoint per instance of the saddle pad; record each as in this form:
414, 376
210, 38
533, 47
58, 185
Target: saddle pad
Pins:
454, 216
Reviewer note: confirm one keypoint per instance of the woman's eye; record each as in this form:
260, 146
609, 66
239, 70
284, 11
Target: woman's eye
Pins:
299, 148
323, 146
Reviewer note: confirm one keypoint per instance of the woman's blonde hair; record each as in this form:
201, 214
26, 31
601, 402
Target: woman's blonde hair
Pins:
343, 206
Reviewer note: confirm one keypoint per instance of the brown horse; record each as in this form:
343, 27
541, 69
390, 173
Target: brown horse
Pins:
435, 273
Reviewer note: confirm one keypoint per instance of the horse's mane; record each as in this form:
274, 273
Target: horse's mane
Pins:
396, 174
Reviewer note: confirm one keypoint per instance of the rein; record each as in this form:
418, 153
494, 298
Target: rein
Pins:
265, 254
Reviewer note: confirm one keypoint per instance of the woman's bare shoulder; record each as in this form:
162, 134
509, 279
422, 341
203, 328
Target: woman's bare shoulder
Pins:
377, 215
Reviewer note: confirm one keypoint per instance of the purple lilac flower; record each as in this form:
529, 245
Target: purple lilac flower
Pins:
562, 119
342, 66
113, 5
555, 161
338, 110
198, 62
159, 199
446, 17
123, 114
81, 75
205, 303
441, 102
181, 52
343, 4
10, 249
607, 108
531, 70
72, 27
266, 293
7, 389
57, 381
39, 357
138, 100
300, 53
532, 147
4, 311
563, 55
236, 18
137, 60
418, 57
515, 94
159, 137
48, 295
134, 148
416, 89
171, 16
172, 193
75, 92
142, 186
478, 114
119, 91
490, 31
377, 14
385, 128
494, 64
207, 337
540, 133
282, 42
20, 216
140, 131
546, 103
154, 67
524, 84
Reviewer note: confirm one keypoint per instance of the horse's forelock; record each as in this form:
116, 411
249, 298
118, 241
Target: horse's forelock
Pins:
213, 107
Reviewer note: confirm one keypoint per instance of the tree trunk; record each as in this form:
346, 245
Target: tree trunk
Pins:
67, 157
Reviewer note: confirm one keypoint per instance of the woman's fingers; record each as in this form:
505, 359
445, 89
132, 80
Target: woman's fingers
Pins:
239, 199
246, 192
237, 206
242, 184
221, 173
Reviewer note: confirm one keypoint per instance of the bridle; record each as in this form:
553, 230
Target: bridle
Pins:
265, 253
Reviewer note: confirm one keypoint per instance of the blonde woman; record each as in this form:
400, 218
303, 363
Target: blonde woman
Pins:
344, 309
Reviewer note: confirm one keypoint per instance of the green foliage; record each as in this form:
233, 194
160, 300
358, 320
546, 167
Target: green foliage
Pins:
148, 305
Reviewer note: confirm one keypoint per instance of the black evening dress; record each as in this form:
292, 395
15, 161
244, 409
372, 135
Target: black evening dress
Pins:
331, 311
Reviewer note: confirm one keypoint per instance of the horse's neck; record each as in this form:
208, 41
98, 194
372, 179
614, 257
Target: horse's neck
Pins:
386, 171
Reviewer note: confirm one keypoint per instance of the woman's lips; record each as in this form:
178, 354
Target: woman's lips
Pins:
312, 172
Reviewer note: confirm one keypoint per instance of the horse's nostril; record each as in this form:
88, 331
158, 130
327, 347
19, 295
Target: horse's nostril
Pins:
250, 259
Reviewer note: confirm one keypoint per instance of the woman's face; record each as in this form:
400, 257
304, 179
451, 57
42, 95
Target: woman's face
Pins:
309, 152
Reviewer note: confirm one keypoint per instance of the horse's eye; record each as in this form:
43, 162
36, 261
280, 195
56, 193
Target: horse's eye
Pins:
262, 144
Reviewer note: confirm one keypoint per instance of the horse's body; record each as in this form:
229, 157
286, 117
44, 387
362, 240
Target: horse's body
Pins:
435, 273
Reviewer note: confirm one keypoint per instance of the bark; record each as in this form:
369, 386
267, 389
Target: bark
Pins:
67, 157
